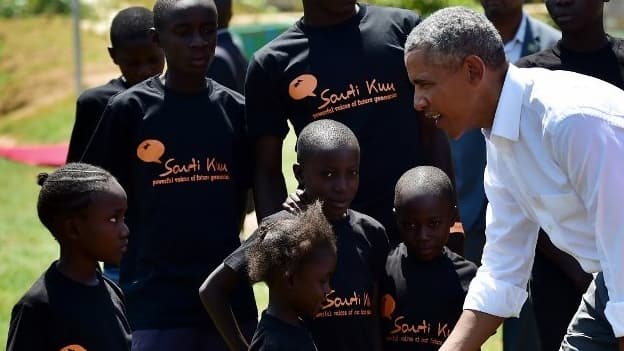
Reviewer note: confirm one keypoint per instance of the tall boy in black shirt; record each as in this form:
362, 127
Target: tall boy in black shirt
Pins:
177, 144
425, 284
557, 281
72, 306
138, 58
328, 169
342, 61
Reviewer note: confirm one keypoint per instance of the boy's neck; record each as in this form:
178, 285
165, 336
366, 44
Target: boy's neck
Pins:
279, 308
508, 26
183, 84
78, 269
588, 39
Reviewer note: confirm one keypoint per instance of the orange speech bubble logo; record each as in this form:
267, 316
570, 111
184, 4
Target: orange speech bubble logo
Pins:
302, 86
387, 306
73, 348
151, 150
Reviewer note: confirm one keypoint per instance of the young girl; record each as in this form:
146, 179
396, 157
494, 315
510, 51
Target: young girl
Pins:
295, 257
72, 306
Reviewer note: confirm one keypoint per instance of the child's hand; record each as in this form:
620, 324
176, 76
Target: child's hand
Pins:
295, 201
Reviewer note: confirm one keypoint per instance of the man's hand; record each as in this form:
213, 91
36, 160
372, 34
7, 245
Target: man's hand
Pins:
296, 201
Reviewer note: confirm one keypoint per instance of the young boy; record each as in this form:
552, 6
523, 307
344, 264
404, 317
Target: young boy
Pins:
138, 58
425, 283
327, 167
296, 258
72, 306
177, 145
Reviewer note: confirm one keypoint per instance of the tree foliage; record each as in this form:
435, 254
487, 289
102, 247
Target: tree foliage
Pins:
22, 8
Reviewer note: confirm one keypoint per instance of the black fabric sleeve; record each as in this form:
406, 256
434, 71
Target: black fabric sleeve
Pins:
237, 260
25, 329
381, 249
266, 115
222, 70
87, 115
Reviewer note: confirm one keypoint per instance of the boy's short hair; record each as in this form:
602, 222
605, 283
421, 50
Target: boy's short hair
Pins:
424, 180
68, 190
286, 245
323, 135
130, 24
160, 8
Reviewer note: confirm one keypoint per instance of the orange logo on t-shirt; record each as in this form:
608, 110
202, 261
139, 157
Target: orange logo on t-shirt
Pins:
302, 86
151, 150
73, 348
387, 306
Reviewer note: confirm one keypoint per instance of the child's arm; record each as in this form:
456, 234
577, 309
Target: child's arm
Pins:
214, 293
25, 329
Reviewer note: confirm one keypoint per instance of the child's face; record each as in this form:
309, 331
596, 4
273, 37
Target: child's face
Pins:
333, 177
138, 60
424, 222
103, 234
310, 285
189, 36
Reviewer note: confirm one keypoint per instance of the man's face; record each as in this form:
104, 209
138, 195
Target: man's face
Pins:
497, 8
189, 36
575, 15
441, 93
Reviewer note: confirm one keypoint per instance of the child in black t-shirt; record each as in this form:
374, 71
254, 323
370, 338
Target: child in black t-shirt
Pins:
425, 284
328, 168
72, 306
177, 144
138, 57
296, 258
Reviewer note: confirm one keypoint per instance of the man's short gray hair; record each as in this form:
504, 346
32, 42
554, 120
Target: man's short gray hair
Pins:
451, 34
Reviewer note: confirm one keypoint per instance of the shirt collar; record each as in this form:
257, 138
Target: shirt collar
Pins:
521, 32
507, 118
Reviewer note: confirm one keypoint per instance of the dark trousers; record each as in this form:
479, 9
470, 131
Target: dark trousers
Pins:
555, 300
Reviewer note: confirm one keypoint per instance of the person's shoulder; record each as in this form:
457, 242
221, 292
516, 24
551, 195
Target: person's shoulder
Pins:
282, 46
277, 216
139, 91
101, 94
546, 58
393, 17
460, 262
221, 93
617, 44
368, 226
37, 295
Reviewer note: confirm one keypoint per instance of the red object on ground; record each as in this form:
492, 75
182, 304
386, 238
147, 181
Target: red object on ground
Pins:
37, 155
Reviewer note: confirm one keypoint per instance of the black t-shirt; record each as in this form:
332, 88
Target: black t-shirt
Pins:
606, 63
354, 73
182, 159
57, 312
89, 108
422, 301
346, 320
274, 334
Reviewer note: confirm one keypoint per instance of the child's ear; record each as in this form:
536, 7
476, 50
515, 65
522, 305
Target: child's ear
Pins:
298, 172
69, 228
112, 54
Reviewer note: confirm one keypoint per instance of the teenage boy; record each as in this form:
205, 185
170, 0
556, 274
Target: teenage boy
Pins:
343, 61
177, 145
138, 58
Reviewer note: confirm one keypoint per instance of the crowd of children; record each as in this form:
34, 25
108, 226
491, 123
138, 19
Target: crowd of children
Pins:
170, 157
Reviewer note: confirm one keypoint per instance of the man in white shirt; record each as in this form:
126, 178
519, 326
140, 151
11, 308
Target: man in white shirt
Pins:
555, 145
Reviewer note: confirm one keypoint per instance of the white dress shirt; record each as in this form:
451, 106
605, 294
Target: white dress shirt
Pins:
513, 48
555, 159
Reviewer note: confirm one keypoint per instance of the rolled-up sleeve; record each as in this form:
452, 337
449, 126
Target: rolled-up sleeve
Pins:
499, 287
590, 150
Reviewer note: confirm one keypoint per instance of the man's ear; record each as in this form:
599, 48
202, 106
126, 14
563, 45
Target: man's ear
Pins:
298, 172
474, 67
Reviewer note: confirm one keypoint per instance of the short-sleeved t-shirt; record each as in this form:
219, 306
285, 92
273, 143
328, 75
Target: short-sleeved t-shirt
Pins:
58, 312
346, 320
183, 162
89, 108
352, 72
422, 301
274, 334
606, 63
